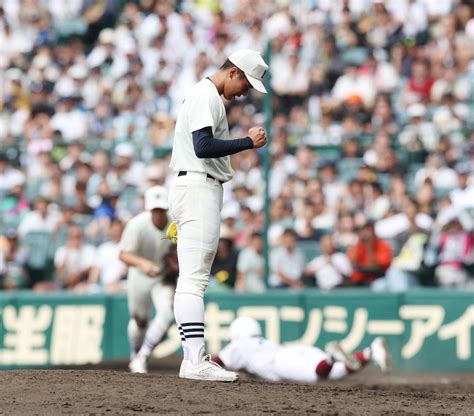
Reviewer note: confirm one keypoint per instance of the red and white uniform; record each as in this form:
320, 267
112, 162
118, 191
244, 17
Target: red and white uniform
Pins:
274, 362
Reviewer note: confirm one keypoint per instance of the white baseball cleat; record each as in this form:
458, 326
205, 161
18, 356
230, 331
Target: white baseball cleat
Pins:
335, 351
206, 370
380, 354
138, 365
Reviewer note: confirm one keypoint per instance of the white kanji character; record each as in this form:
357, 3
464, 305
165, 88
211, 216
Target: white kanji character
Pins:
461, 329
385, 327
426, 319
336, 322
357, 332
313, 329
169, 345
77, 334
216, 333
335, 319
25, 338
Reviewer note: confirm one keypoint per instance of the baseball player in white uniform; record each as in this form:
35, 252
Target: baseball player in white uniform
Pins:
145, 249
201, 161
249, 351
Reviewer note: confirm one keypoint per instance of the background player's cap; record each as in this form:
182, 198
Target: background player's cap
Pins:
244, 327
156, 197
253, 66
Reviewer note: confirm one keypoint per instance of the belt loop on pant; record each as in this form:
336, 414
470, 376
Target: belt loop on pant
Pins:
184, 173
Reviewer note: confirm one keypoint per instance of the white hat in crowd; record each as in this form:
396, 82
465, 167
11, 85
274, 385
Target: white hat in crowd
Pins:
156, 197
78, 71
125, 150
416, 110
253, 65
107, 35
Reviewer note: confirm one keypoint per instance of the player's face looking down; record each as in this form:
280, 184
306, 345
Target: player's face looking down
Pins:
236, 84
159, 218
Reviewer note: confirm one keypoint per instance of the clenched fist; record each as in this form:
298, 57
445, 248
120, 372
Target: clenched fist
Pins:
258, 136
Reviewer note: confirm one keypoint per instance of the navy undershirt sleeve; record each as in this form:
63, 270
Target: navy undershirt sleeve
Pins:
206, 146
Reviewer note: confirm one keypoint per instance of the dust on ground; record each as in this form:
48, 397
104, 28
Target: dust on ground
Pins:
109, 389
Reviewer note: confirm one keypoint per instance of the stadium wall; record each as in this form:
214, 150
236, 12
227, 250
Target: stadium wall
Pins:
427, 330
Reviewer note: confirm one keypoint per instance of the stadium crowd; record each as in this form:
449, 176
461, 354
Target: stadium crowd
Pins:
372, 152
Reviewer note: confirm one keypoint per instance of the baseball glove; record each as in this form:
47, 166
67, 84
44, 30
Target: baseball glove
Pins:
172, 233
170, 270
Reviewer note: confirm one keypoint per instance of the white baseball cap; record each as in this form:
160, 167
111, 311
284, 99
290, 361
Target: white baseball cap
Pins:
156, 197
244, 327
125, 150
253, 65
416, 110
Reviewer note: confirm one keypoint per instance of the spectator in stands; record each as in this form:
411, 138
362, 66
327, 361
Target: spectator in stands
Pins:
42, 218
456, 254
344, 233
290, 81
304, 223
74, 260
14, 205
12, 262
378, 203
353, 198
380, 155
352, 84
331, 268
332, 186
286, 263
370, 257
398, 190
131, 172
463, 195
408, 263
224, 268
250, 264
442, 176
108, 272
386, 81
69, 120
9, 176
383, 118
281, 217
420, 82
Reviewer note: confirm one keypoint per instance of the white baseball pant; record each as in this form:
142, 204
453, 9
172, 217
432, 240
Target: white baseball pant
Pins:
143, 292
298, 363
195, 203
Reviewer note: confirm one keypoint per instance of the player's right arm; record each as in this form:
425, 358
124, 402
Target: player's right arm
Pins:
204, 111
129, 244
145, 265
207, 146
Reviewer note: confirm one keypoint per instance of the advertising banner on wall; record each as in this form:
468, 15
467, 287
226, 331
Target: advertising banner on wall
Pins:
427, 330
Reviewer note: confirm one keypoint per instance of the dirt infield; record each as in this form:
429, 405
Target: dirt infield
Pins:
110, 390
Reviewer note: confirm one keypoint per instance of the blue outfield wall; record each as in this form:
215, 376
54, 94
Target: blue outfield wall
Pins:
427, 330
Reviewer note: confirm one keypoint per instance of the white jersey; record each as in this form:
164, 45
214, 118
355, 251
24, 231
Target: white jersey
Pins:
271, 361
255, 355
143, 239
202, 107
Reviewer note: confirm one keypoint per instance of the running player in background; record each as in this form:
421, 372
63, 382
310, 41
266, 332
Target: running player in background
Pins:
152, 275
249, 351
